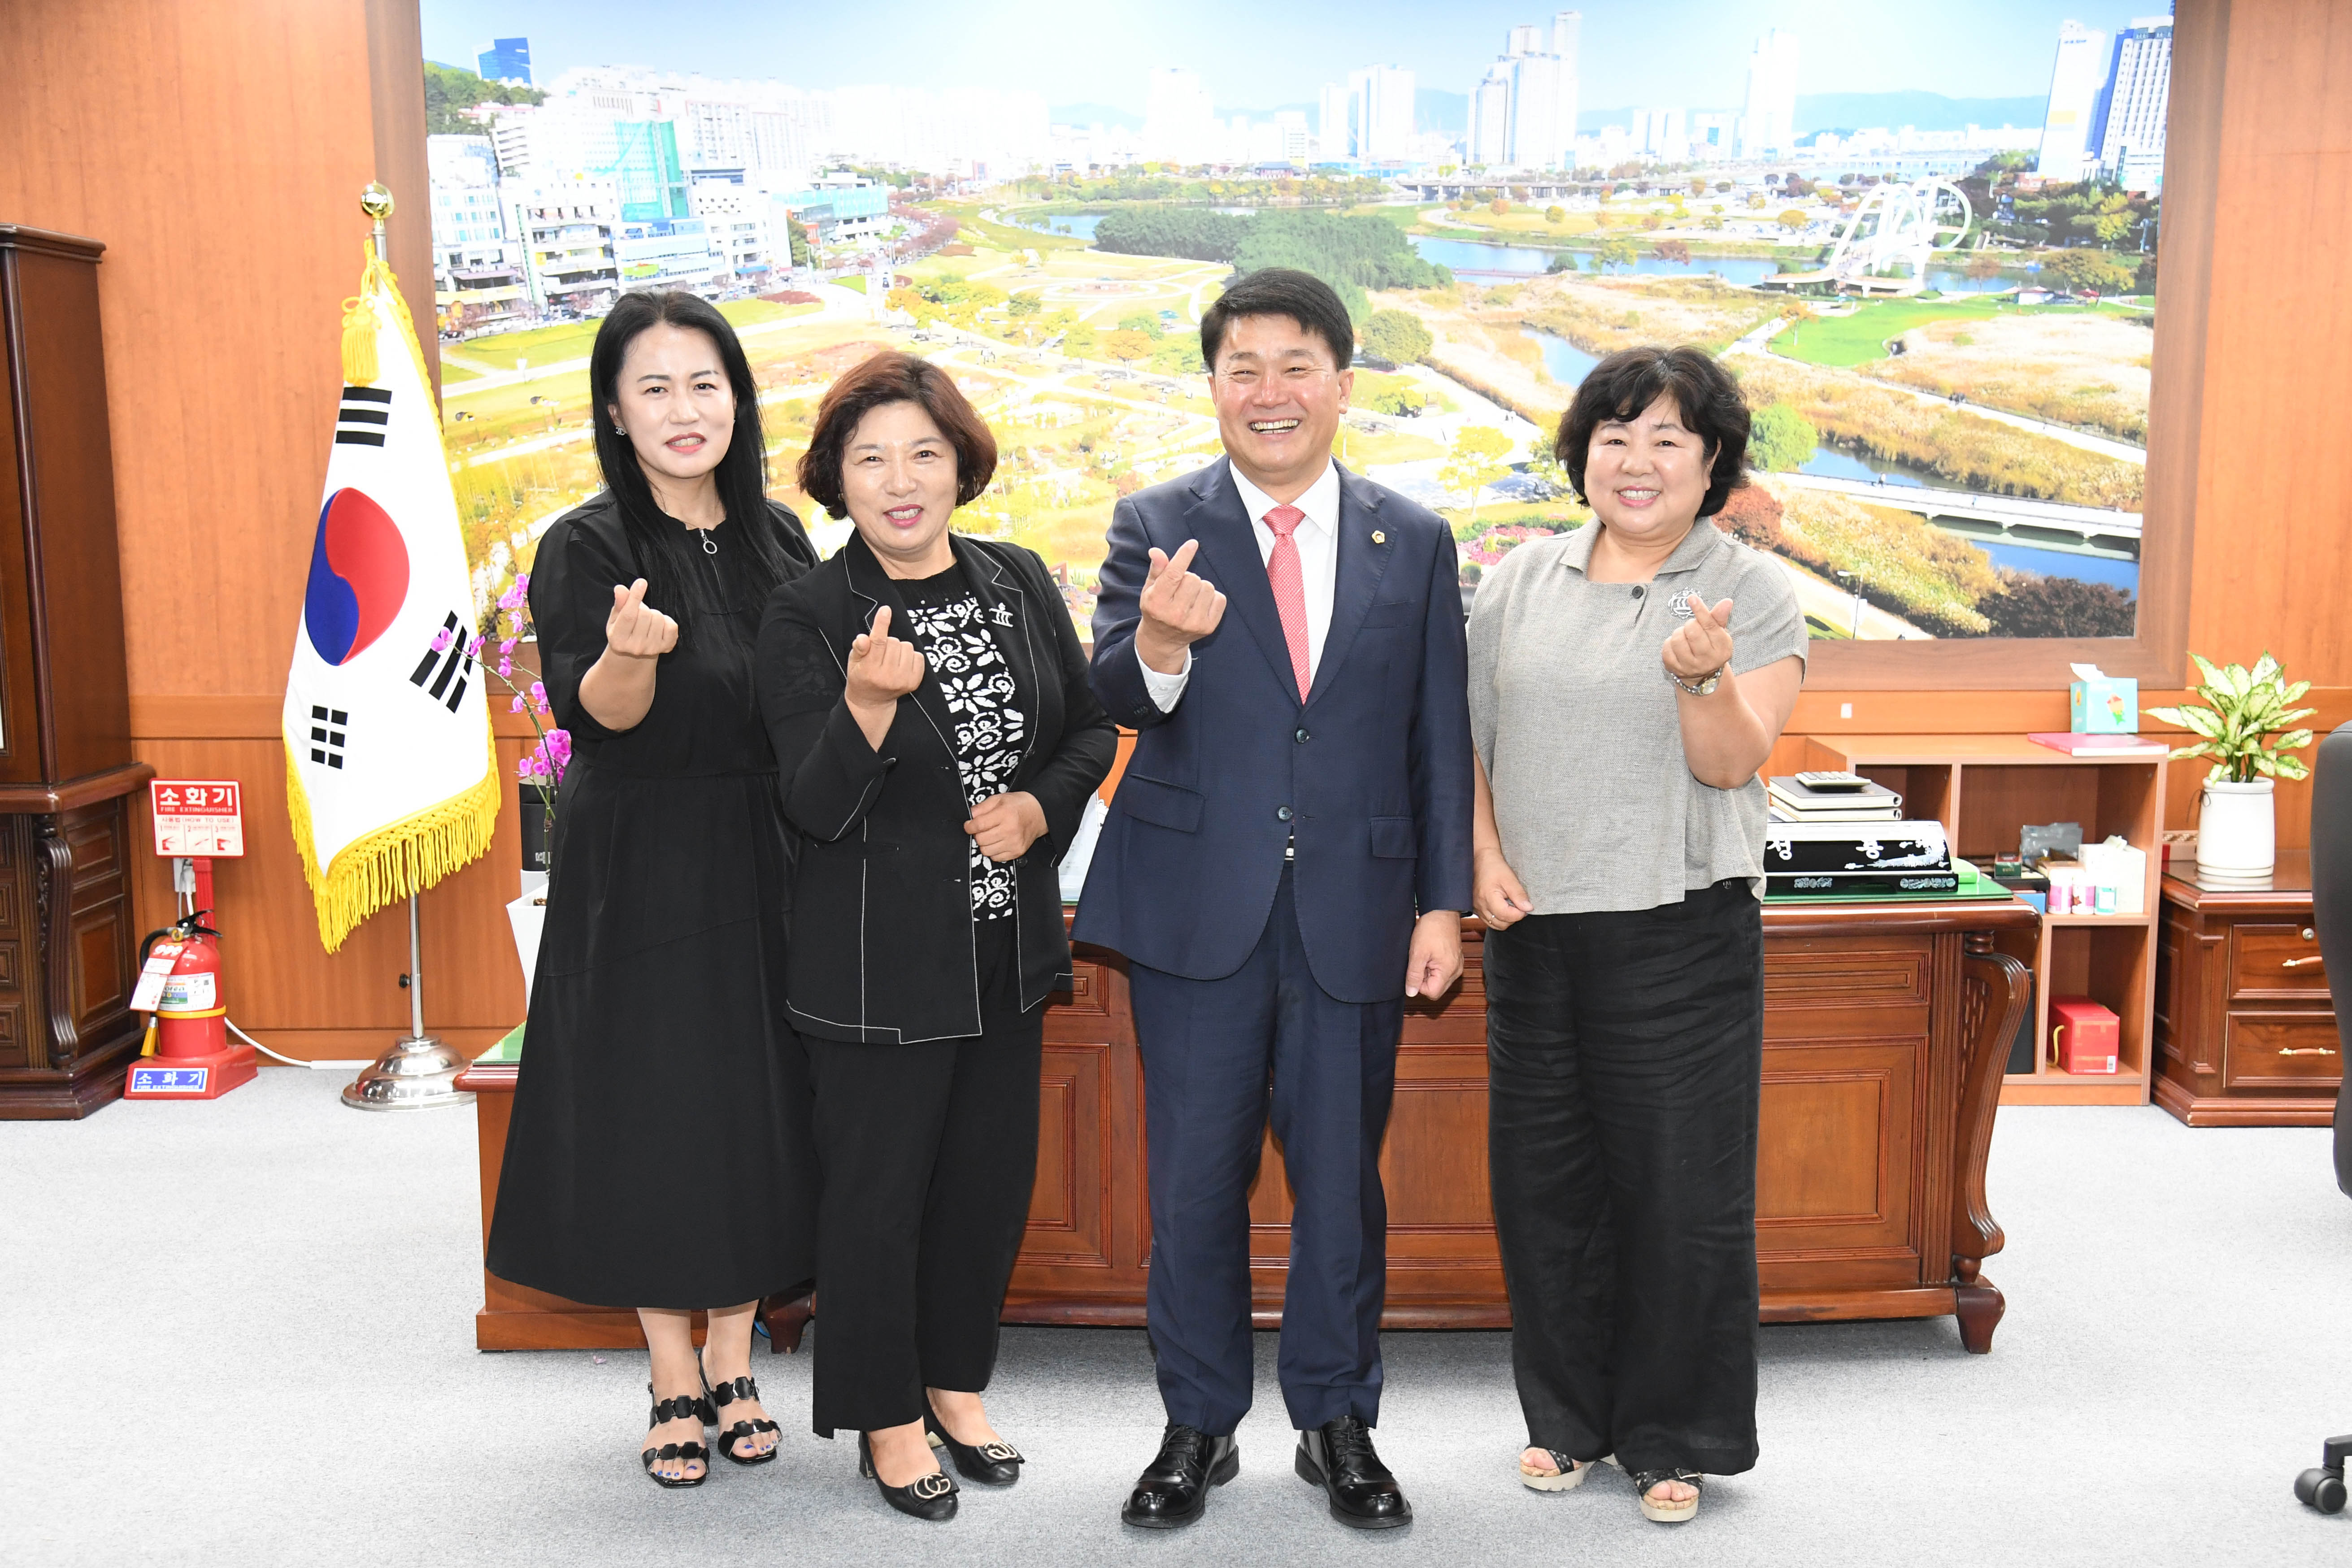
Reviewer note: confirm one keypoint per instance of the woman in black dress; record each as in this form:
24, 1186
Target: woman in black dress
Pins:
937, 740
659, 1155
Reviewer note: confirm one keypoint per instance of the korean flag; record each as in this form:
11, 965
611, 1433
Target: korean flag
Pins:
391, 775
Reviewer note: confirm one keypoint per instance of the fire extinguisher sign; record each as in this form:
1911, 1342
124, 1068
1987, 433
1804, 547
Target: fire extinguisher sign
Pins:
201, 818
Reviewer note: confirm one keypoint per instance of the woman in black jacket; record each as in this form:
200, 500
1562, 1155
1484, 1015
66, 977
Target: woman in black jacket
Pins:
936, 741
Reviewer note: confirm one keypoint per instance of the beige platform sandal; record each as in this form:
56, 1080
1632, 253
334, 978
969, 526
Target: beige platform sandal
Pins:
1565, 1475
1658, 1512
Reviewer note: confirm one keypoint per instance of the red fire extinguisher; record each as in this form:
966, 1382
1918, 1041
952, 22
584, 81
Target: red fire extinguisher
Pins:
186, 1054
187, 1019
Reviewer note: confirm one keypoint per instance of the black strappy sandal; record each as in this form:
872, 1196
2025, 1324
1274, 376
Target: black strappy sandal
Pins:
678, 1409
996, 1463
1668, 1512
725, 1395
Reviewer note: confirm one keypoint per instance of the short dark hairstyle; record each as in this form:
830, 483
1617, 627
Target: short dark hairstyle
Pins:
1280, 291
895, 377
659, 544
1710, 402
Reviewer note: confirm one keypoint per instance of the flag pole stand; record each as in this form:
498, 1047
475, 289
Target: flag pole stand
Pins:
419, 1072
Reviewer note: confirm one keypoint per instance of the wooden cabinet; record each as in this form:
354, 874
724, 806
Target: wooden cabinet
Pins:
1983, 789
2245, 1024
66, 943
1885, 1030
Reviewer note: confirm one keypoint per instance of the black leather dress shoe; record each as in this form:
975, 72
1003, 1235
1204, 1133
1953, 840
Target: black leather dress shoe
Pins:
1174, 1489
1338, 1457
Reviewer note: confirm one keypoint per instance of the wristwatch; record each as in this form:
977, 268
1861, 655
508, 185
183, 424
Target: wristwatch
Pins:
1703, 685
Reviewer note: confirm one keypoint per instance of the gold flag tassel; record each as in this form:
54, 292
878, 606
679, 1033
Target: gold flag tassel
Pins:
387, 866
362, 364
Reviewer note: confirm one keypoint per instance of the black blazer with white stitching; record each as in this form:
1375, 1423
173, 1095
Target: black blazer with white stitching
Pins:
882, 947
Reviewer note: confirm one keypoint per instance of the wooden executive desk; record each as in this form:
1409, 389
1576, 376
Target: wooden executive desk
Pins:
1885, 1030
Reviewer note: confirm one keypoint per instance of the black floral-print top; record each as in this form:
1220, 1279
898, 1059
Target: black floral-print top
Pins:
944, 622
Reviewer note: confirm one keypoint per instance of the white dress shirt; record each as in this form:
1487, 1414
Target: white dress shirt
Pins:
1318, 539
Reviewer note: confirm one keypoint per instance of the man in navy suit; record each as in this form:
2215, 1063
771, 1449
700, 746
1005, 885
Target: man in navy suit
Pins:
1284, 862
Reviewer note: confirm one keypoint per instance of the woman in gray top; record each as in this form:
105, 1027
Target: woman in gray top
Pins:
1626, 682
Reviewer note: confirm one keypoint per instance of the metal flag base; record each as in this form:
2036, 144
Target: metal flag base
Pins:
419, 1072
415, 1075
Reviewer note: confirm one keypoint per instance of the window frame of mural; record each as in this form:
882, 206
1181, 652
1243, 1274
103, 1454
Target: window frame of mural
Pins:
1059, 269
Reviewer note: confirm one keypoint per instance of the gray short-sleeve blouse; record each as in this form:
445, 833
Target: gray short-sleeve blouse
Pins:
1574, 717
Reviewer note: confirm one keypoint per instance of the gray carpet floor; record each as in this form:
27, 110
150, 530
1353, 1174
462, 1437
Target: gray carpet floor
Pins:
242, 1333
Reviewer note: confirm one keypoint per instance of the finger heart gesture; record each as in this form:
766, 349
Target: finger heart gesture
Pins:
635, 630
1182, 606
1702, 645
882, 669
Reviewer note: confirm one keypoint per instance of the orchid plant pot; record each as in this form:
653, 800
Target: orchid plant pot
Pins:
527, 915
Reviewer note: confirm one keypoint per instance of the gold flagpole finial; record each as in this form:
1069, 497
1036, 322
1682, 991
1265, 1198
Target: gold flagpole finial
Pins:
360, 366
375, 201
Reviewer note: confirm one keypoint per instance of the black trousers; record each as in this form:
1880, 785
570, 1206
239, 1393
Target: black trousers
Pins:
928, 1154
1624, 1058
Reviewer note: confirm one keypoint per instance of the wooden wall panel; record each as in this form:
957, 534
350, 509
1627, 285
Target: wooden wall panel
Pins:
280, 984
2273, 486
217, 150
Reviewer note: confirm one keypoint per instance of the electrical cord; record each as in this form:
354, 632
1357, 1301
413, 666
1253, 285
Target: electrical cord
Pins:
289, 1061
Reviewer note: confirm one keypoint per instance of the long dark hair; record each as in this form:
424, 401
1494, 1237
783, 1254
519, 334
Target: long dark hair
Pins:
659, 541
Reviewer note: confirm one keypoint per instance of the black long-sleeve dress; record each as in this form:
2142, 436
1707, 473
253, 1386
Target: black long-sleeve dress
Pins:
659, 1154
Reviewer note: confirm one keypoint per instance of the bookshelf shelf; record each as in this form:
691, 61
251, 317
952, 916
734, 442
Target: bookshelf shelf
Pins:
1983, 789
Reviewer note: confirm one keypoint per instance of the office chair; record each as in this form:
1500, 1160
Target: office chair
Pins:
2331, 916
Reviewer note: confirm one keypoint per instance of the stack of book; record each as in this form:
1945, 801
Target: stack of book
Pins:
1791, 799
1889, 859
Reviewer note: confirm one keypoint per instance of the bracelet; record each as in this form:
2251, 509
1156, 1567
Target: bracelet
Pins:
1706, 684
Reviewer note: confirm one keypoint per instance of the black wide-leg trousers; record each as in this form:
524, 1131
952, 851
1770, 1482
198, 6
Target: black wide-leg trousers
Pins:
928, 1155
1624, 1054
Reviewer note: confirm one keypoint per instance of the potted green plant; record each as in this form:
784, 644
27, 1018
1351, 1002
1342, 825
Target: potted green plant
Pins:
2244, 728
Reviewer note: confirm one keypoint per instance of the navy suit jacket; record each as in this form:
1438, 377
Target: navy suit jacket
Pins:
1372, 772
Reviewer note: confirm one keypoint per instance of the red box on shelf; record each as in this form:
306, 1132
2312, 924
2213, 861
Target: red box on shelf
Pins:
2082, 1035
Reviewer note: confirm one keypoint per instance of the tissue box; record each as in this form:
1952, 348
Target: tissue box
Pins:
2101, 704
2123, 867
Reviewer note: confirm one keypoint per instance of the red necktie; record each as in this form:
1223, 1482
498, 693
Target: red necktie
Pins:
1289, 581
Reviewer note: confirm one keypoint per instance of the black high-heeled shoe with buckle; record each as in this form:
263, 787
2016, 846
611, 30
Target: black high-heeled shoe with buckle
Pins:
931, 1497
678, 1409
725, 1395
996, 1463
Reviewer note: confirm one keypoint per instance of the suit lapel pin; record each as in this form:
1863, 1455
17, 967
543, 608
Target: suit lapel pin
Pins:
1379, 537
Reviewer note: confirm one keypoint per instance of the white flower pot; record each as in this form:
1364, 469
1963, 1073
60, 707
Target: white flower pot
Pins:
2237, 832
527, 915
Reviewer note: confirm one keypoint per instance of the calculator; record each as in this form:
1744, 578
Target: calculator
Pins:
1834, 784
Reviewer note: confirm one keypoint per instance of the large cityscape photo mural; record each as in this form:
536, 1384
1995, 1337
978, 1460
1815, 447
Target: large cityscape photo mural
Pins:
1926, 246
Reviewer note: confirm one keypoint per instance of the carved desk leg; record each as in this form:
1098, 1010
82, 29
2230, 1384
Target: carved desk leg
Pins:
1992, 1005
787, 1317
52, 901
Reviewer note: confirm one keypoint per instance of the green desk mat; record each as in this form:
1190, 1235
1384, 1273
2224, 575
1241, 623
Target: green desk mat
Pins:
1974, 884
506, 1053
